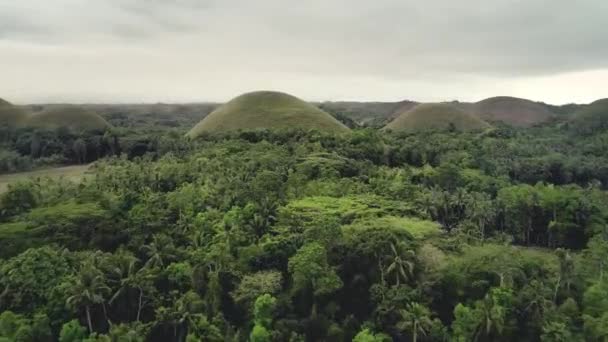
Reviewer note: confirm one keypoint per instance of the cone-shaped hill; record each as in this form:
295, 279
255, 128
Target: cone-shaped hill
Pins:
436, 116
592, 118
71, 117
512, 111
11, 115
266, 109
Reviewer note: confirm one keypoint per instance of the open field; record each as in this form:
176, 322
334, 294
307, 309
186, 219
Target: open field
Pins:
73, 173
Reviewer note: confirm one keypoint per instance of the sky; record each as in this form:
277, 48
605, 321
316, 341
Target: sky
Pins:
146, 51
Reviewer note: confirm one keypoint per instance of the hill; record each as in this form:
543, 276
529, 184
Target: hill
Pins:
436, 116
592, 118
72, 117
512, 111
374, 114
11, 115
266, 109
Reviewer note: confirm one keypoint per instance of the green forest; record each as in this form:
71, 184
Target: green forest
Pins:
293, 235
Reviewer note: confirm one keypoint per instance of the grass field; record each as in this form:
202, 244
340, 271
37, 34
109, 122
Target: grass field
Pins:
74, 173
266, 109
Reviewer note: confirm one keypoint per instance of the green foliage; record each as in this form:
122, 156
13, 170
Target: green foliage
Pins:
292, 236
259, 334
257, 284
72, 331
310, 270
366, 335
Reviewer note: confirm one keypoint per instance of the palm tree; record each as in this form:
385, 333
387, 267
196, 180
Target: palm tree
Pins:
415, 318
159, 251
493, 317
566, 271
88, 289
401, 264
131, 278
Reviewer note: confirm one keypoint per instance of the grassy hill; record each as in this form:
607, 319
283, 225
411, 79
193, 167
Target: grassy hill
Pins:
266, 109
11, 115
512, 111
591, 118
436, 116
72, 117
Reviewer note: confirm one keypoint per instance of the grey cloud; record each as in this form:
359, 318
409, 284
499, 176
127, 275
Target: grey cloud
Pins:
394, 40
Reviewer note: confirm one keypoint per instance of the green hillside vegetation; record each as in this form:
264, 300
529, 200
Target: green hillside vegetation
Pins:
11, 115
436, 116
592, 118
71, 117
266, 110
513, 111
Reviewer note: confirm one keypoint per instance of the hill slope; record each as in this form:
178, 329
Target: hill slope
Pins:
11, 115
71, 117
436, 116
266, 109
592, 118
512, 111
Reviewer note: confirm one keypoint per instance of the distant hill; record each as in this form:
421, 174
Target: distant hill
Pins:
436, 116
11, 115
266, 109
366, 113
71, 117
592, 118
512, 111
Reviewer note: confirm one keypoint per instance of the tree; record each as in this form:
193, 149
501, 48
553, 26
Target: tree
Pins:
482, 212
367, 335
262, 313
465, 323
72, 331
80, 150
88, 289
401, 264
493, 311
416, 318
566, 271
160, 251
556, 332
254, 285
309, 269
259, 334
129, 277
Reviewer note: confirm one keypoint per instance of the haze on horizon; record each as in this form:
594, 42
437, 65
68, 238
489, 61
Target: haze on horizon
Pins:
114, 51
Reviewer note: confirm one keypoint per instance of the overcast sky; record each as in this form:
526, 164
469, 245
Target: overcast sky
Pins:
211, 50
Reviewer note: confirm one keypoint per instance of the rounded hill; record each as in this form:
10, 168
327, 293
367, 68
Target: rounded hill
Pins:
11, 115
71, 117
592, 118
266, 109
512, 111
436, 116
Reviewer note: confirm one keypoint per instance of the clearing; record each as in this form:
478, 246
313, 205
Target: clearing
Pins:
74, 173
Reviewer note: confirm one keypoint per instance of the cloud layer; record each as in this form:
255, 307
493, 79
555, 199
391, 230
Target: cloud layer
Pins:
195, 50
